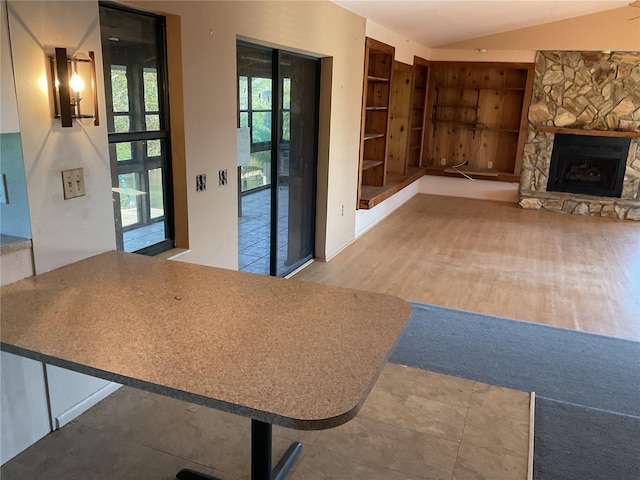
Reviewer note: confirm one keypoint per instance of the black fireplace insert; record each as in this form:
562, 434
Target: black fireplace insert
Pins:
590, 165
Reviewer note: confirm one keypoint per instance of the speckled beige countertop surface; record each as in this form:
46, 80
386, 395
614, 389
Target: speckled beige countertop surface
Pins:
11, 244
286, 352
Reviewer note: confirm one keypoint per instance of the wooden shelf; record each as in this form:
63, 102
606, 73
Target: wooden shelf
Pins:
374, 127
450, 172
371, 136
505, 130
471, 107
418, 115
473, 125
595, 133
372, 196
367, 164
478, 172
497, 89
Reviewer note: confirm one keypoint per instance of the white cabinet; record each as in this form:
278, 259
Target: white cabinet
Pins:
72, 393
24, 416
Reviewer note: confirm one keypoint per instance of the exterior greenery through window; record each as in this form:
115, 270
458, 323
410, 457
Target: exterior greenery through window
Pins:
138, 126
255, 103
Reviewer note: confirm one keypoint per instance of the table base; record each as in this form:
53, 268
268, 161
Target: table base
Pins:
261, 446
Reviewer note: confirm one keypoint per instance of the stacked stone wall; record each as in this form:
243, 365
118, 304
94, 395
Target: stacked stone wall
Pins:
592, 91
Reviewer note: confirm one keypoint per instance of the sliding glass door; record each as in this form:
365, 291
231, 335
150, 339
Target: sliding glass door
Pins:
277, 182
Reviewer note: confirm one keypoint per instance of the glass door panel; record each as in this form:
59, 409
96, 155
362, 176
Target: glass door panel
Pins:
138, 127
140, 193
255, 74
277, 185
297, 158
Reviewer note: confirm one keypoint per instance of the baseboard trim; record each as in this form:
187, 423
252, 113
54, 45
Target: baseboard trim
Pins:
84, 405
300, 268
532, 417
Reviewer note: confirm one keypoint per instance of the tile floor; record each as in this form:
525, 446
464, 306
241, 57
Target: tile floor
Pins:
415, 425
143, 236
253, 232
254, 235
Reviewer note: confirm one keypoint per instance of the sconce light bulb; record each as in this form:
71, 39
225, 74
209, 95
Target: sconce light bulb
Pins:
57, 83
76, 83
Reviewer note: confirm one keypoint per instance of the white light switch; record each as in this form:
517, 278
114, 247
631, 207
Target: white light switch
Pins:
73, 183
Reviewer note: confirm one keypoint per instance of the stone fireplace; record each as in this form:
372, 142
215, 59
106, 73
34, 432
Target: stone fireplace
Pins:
581, 154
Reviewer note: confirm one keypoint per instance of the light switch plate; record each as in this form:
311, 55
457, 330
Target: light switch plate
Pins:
73, 183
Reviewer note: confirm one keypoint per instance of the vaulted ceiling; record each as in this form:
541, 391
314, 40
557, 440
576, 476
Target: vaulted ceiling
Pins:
435, 23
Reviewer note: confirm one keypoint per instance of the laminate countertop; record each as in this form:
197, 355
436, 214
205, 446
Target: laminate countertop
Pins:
286, 352
11, 244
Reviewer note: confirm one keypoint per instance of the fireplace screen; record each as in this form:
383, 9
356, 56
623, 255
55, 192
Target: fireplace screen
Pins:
588, 165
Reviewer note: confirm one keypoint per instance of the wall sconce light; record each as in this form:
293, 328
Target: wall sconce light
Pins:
74, 87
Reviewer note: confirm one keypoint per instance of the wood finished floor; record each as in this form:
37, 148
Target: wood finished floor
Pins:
571, 271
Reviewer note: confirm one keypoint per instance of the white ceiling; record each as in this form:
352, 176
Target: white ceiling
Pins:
432, 23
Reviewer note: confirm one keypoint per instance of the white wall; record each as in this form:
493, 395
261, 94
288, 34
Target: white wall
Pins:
209, 34
63, 231
463, 187
405, 48
607, 30
8, 106
24, 417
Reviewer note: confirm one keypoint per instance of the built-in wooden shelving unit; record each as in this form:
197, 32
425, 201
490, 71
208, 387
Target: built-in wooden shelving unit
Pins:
418, 112
394, 102
477, 118
439, 118
376, 96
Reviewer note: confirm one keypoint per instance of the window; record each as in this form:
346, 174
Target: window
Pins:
255, 104
133, 45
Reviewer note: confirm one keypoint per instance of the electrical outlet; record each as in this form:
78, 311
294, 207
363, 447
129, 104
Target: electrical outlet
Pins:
343, 210
489, 164
222, 177
73, 183
443, 161
201, 182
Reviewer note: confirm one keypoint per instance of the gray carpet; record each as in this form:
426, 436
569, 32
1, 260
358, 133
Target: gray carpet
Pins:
575, 442
589, 384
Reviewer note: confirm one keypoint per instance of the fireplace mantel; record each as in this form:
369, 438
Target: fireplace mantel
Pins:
593, 133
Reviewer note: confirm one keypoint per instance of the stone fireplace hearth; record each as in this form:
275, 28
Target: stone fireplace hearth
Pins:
586, 94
